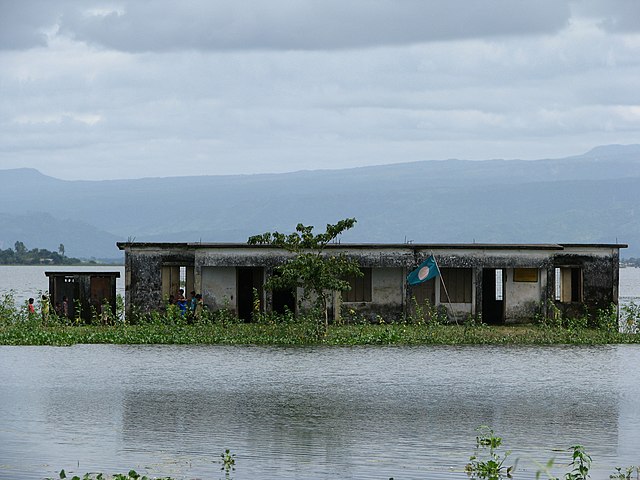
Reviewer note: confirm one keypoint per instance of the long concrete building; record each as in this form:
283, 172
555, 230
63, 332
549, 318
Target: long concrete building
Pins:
502, 283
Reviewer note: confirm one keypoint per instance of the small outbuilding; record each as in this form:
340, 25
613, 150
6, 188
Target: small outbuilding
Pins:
87, 291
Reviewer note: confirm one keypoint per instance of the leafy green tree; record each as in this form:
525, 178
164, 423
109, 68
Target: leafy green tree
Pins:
61, 249
316, 271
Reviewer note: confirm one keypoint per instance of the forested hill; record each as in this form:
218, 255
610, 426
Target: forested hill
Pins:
592, 197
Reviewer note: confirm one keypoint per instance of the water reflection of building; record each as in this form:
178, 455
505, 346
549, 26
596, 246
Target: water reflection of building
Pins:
504, 283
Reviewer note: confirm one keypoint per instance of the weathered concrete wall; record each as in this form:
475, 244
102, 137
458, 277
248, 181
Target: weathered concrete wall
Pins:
143, 282
387, 296
241, 257
522, 299
219, 287
387, 285
458, 312
143, 290
600, 278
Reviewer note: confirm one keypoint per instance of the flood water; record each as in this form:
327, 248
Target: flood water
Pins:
311, 413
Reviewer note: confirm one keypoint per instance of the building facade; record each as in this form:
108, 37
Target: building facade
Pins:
501, 283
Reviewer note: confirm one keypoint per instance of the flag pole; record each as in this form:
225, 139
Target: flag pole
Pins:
455, 317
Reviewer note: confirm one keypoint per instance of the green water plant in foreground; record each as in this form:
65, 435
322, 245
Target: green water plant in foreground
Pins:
132, 475
487, 463
228, 461
579, 467
628, 473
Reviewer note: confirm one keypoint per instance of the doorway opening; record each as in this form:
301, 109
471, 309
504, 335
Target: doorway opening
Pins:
174, 278
250, 281
493, 296
283, 300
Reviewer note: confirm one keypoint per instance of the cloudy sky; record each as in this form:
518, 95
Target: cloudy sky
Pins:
137, 88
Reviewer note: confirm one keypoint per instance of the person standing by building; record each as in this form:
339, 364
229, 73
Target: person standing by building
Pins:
181, 302
45, 308
193, 302
199, 307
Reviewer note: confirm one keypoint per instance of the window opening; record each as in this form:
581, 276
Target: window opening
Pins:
458, 283
360, 287
525, 275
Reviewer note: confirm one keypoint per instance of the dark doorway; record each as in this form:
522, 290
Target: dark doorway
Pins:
249, 279
100, 292
67, 287
283, 299
492, 296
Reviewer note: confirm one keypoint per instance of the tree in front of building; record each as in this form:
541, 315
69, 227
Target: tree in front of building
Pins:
317, 272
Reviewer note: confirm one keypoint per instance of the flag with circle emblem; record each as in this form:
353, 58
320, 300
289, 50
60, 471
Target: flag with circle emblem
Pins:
425, 271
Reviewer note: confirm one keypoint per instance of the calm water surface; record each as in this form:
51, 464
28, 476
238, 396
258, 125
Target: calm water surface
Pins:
311, 412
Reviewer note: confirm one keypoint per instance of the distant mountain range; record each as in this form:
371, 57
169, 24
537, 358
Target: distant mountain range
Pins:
594, 197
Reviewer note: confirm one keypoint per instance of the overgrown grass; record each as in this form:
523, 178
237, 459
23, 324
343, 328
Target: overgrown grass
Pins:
303, 334
17, 327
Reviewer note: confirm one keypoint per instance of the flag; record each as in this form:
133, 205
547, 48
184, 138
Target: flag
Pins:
425, 271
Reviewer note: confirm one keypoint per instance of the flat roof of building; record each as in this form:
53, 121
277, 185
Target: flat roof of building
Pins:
420, 246
59, 273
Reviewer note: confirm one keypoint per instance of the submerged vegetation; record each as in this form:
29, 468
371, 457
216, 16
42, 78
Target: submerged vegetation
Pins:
426, 326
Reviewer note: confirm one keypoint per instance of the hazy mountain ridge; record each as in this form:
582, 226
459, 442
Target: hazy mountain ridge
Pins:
586, 198
42, 230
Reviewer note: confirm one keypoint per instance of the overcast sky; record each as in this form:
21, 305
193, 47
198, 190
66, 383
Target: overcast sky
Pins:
127, 89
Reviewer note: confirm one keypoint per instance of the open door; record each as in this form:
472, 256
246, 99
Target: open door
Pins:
492, 296
67, 287
100, 292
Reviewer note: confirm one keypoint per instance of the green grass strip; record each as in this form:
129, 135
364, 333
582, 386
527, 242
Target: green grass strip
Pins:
299, 334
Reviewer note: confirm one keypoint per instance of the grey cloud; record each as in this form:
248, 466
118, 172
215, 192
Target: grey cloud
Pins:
616, 16
76, 111
307, 24
23, 24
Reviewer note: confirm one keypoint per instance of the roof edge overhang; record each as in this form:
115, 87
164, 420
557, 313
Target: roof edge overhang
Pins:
95, 273
371, 246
